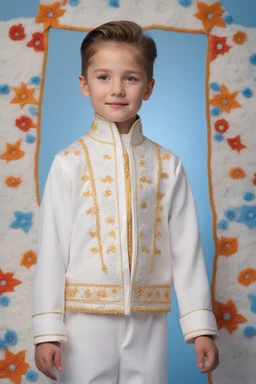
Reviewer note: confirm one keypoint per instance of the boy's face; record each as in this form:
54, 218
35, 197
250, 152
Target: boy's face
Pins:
116, 82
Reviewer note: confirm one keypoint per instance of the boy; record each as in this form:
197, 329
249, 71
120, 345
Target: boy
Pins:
117, 226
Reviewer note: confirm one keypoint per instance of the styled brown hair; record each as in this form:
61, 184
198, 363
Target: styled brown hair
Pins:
122, 31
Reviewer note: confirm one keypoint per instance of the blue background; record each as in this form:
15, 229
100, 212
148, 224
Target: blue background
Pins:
174, 117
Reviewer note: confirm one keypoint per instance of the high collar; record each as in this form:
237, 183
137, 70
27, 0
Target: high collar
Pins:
106, 131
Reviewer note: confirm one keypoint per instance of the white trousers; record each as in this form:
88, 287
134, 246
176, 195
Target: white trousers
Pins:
115, 349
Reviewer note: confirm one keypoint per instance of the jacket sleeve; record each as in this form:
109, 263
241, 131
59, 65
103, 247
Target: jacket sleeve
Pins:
53, 240
189, 272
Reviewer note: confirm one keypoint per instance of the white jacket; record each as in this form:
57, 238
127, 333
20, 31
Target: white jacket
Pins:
117, 227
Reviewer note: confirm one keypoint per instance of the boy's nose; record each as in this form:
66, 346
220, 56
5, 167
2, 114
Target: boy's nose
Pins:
117, 88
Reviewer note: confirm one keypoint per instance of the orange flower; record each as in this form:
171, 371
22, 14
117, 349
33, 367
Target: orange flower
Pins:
29, 258
247, 276
13, 152
7, 283
239, 37
225, 100
228, 246
49, 13
221, 125
23, 95
254, 180
218, 46
237, 173
12, 181
235, 143
210, 15
24, 123
227, 316
17, 32
37, 42
13, 366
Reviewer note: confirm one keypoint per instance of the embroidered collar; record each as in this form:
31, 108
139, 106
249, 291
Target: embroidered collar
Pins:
106, 131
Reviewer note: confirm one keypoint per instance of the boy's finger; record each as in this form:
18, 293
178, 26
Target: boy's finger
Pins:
57, 360
210, 363
48, 370
200, 359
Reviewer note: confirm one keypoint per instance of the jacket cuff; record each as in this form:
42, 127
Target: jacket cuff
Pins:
48, 327
198, 322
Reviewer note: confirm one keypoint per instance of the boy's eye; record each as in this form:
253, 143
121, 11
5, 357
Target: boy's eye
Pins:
103, 77
130, 78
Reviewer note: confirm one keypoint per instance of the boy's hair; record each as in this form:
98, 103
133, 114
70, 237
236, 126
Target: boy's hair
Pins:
122, 31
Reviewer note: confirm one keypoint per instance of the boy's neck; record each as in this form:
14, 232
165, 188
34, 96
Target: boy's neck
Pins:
125, 126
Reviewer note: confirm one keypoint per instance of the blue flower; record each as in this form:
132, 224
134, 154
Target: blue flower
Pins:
23, 221
10, 337
4, 301
249, 331
185, 3
252, 299
249, 196
3, 344
253, 59
31, 375
114, 3
35, 80
4, 89
223, 224
30, 139
215, 111
74, 3
215, 87
218, 137
230, 215
247, 92
247, 216
228, 19
33, 111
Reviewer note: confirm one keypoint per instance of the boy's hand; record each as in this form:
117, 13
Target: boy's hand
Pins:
205, 347
47, 355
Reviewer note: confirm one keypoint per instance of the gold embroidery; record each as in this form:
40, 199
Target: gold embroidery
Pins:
96, 207
142, 163
88, 193
112, 234
149, 293
85, 177
102, 293
92, 234
106, 156
107, 179
72, 292
94, 250
161, 207
138, 291
90, 211
128, 190
164, 175
66, 152
99, 141
158, 233
142, 156
94, 127
145, 249
167, 295
160, 195
144, 204
142, 235
115, 311
111, 249
107, 193
199, 330
150, 309
151, 302
87, 293
49, 334
114, 291
145, 179
97, 285
47, 313
157, 251
159, 219
156, 218
166, 156
195, 310
141, 185
110, 220
158, 294
76, 152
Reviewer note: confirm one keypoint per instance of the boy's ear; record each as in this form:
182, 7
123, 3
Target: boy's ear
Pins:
83, 86
149, 90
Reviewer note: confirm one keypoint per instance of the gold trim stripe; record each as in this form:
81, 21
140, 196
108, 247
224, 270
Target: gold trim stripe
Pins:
48, 313
102, 301
156, 206
96, 205
115, 311
151, 309
50, 334
152, 301
100, 141
95, 285
128, 193
199, 330
195, 310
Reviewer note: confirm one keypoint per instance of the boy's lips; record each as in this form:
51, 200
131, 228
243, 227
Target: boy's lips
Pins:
116, 103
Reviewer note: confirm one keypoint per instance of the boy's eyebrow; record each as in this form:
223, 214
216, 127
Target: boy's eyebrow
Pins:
108, 70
